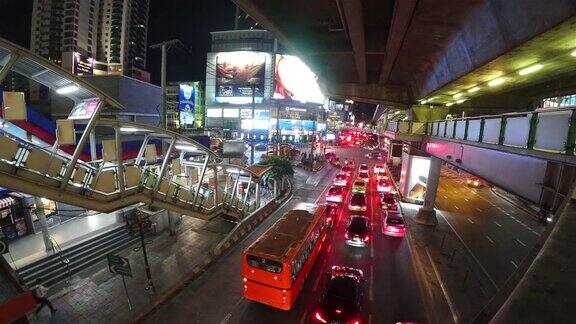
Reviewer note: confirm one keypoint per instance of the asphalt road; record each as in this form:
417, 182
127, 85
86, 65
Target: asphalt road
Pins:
391, 292
497, 233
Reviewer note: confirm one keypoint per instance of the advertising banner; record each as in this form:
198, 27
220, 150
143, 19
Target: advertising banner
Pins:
186, 98
82, 65
295, 81
237, 72
84, 109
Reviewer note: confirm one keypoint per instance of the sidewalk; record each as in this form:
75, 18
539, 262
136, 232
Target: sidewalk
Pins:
96, 295
30, 248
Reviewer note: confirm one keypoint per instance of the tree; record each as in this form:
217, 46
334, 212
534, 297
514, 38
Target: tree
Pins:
280, 167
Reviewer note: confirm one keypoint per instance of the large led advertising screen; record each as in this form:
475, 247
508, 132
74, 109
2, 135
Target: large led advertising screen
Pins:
186, 97
237, 72
294, 80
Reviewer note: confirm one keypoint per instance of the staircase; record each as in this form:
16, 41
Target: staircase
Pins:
71, 260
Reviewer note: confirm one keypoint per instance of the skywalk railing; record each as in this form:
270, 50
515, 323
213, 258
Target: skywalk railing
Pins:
552, 131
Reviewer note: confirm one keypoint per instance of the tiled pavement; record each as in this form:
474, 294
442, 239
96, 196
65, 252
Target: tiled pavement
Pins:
97, 296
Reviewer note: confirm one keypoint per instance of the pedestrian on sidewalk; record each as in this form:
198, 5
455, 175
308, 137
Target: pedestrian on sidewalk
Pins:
39, 292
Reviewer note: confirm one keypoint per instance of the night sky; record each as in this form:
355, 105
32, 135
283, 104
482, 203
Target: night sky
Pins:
189, 21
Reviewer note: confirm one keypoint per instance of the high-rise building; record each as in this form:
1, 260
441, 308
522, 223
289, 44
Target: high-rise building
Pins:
122, 36
100, 37
60, 26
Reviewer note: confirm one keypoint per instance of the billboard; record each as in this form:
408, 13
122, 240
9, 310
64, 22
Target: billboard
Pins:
295, 81
82, 65
237, 72
186, 104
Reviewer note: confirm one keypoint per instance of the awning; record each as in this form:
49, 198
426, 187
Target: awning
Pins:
7, 202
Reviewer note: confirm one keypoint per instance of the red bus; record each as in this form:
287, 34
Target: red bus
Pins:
275, 267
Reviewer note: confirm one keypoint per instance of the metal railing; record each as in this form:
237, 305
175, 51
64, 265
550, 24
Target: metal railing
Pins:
56, 249
552, 131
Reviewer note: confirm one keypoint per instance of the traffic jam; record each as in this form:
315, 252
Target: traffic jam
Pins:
354, 188
360, 204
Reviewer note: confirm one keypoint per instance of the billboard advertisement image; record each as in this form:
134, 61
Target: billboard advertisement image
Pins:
294, 80
237, 72
186, 97
82, 65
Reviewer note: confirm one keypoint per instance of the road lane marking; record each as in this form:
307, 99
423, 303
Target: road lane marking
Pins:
466, 199
523, 244
371, 250
371, 283
514, 264
329, 248
370, 318
478, 209
303, 318
472, 254
497, 224
489, 239
471, 221
444, 290
444, 197
226, 319
456, 207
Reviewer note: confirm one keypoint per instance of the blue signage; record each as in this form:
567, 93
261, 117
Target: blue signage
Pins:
186, 97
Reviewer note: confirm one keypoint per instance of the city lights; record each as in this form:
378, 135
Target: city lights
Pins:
456, 96
472, 90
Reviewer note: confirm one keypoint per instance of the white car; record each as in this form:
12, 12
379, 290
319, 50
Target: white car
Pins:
379, 168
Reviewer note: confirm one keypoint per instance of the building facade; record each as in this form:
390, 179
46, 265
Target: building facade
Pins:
249, 84
86, 37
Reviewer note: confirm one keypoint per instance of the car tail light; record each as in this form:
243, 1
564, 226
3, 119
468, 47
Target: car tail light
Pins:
319, 317
354, 322
338, 311
346, 236
392, 229
329, 219
366, 238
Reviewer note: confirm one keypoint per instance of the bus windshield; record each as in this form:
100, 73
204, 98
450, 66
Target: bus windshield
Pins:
264, 264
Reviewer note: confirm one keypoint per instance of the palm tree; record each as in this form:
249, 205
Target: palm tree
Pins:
281, 168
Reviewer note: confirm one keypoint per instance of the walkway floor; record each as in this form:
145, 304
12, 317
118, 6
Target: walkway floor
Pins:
96, 295
30, 248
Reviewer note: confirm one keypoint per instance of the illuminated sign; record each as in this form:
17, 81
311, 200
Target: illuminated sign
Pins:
186, 98
238, 72
82, 65
84, 109
294, 80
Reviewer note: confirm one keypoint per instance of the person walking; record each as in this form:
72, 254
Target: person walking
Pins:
39, 292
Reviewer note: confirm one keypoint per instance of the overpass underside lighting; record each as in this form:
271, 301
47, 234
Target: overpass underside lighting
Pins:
472, 90
461, 100
456, 96
496, 82
449, 104
573, 53
530, 69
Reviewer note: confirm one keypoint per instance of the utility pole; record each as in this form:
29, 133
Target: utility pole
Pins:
252, 130
237, 18
165, 47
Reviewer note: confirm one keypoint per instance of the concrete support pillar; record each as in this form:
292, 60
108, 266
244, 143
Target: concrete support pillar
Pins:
275, 188
258, 196
43, 225
409, 114
427, 215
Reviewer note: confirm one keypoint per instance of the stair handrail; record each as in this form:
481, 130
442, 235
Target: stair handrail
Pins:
65, 261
